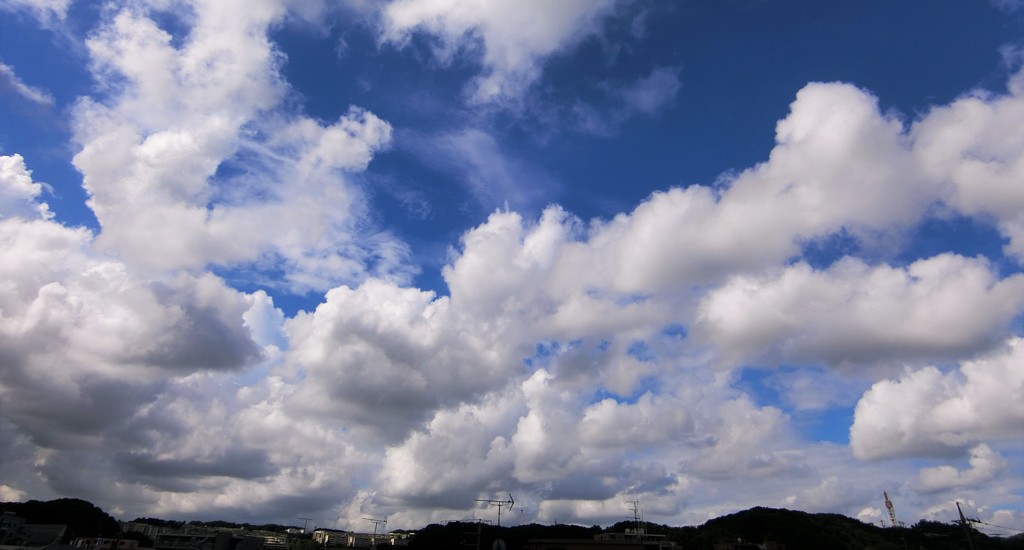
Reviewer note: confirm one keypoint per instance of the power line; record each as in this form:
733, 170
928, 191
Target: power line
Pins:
997, 526
963, 524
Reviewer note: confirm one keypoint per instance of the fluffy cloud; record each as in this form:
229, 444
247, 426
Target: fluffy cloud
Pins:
9, 494
383, 357
975, 146
572, 362
816, 183
92, 329
18, 193
460, 450
984, 465
942, 307
88, 345
931, 412
515, 37
188, 155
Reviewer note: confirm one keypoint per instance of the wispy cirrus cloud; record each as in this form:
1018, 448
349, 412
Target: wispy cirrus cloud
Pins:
47, 12
10, 81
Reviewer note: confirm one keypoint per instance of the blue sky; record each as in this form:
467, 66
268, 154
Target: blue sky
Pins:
388, 258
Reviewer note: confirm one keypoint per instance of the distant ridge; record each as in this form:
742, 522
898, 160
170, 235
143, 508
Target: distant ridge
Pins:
795, 529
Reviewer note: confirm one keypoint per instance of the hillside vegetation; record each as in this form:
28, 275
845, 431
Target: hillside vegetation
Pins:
797, 530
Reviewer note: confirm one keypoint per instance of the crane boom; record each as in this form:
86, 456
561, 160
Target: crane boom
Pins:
889, 507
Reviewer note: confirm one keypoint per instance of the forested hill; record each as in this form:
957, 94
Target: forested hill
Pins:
83, 518
797, 530
804, 531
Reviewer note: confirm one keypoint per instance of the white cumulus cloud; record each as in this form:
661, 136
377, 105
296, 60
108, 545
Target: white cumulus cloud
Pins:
515, 38
943, 307
176, 114
975, 146
985, 464
18, 193
931, 412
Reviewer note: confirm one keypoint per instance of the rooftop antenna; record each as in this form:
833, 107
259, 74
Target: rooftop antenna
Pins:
305, 523
376, 523
637, 517
500, 504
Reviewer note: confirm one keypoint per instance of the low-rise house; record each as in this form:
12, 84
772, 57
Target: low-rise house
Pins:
207, 540
99, 543
14, 531
330, 537
632, 539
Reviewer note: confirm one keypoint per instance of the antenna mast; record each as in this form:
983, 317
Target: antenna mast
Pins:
376, 523
499, 504
638, 518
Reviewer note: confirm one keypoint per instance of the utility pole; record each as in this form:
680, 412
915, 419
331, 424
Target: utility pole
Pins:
963, 524
305, 523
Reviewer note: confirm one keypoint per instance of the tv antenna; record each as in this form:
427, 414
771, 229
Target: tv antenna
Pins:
500, 504
376, 523
638, 517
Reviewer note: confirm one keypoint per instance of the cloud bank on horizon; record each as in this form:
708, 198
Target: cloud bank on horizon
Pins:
272, 259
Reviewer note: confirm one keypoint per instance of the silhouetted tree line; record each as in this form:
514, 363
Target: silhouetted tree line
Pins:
463, 535
797, 530
83, 518
218, 524
160, 522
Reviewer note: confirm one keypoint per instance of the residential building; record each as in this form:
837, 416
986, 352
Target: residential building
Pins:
12, 528
98, 543
330, 537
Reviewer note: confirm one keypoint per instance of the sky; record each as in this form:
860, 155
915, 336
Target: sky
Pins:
276, 259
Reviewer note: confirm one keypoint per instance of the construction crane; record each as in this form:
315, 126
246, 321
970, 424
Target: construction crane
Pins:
892, 511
